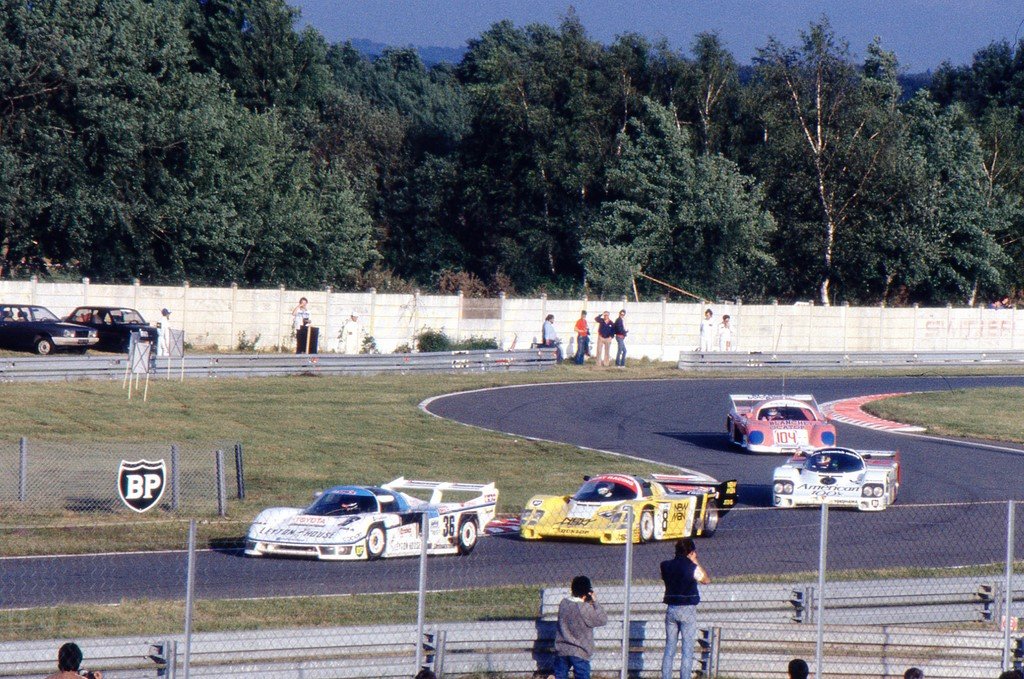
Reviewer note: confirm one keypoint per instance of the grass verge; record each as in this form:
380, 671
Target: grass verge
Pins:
967, 413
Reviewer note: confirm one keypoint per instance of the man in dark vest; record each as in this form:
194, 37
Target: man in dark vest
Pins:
681, 576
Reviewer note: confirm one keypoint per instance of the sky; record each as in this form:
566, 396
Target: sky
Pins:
922, 33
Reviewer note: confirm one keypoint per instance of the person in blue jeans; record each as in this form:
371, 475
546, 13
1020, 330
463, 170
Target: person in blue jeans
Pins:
681, 576
620, 339
578, 615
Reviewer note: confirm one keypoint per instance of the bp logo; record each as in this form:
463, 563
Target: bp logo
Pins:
141, 483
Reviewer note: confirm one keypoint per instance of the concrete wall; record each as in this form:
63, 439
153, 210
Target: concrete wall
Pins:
658, 330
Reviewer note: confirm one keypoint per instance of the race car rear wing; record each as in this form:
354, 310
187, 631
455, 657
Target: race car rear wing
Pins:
748, 401
725, 492
437, 488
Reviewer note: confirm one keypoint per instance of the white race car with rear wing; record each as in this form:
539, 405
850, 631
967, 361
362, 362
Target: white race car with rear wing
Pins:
373, 522
868, 480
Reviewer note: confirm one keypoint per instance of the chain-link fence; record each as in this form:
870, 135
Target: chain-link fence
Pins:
190, 479
855, 594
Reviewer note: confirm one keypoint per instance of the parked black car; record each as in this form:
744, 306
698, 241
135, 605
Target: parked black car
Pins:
26, 327
115, 325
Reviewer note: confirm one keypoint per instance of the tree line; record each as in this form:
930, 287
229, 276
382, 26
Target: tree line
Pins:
214, 141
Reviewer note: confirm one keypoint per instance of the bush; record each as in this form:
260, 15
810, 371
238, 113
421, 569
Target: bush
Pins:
436, 340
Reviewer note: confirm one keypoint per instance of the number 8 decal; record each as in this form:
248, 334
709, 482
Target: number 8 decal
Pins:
664, 519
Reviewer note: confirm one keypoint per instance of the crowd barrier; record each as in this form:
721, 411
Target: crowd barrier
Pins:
694, 360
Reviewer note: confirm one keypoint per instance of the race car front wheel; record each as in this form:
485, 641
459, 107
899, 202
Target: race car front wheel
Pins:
376, 542
469, 533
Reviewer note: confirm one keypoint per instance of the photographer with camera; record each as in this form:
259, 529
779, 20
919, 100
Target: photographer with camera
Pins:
69, 663
578, 615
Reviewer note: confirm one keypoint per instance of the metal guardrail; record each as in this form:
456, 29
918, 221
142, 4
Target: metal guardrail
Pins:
861, 602
736, 649
692, 360
100, 367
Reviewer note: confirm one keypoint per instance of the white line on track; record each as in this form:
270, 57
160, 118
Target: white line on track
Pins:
75, 556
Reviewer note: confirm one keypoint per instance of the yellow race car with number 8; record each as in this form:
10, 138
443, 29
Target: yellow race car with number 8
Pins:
665, 507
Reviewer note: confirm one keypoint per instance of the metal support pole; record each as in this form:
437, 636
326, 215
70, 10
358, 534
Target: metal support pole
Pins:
222, 495
1008, 588
190, 585
239, 471
421, 603
822, 560
22, 469
175, 479
628, 582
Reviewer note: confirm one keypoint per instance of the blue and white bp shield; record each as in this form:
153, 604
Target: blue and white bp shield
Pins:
140, 484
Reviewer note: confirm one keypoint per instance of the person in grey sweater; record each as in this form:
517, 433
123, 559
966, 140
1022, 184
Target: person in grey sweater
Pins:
578, 615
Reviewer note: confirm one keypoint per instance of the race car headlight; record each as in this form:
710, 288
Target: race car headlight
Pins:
828, 438
611, 514
872, 491
784, 487
531, 516
756, 437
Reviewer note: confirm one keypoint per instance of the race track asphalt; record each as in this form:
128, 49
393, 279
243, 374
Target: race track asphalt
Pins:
678, 422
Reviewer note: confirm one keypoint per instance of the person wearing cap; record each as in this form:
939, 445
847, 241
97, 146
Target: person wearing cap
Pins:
578, 615
351, 335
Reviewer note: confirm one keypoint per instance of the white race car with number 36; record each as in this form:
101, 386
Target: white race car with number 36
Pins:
373, 522
868, 480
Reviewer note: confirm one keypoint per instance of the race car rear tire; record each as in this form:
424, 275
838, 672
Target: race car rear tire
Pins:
469, 534
709, 524
646, 525
376, 542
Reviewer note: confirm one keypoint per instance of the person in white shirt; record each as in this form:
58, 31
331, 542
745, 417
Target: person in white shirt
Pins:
300, 314
725, 334
707, 332
351, 334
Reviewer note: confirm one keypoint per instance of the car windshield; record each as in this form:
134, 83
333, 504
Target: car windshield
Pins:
834, 463
41, 313
340, 504
789, 413
127, 316
604, 490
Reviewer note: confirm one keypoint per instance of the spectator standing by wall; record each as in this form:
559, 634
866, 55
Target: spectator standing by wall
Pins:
707, 332
582, 338
681, 575
620, 339
725, 334
351, 334
300, 314
605, 333
578, 615
550, 337
69, 664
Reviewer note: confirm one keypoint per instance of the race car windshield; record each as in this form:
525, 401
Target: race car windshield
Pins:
602, 490
784, 413
340, 504
835, 463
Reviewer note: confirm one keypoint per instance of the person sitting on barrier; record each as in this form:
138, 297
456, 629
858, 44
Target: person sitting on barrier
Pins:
578, 615
69, 662
914, 673
798, 669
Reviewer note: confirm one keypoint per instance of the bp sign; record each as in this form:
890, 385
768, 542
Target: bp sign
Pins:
140, 484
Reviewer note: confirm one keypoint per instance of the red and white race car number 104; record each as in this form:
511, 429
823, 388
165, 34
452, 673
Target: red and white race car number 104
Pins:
786, 437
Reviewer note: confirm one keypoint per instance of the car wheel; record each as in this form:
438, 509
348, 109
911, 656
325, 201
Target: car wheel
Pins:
469, 533
376, 542
44, 346
646, 525
710, 523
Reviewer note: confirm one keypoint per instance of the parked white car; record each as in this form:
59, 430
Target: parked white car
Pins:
868, 480
373, 522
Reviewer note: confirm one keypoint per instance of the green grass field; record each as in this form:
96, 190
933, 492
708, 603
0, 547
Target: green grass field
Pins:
992, 414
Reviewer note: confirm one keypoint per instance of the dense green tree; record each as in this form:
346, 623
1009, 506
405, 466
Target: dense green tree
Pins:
678, 215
